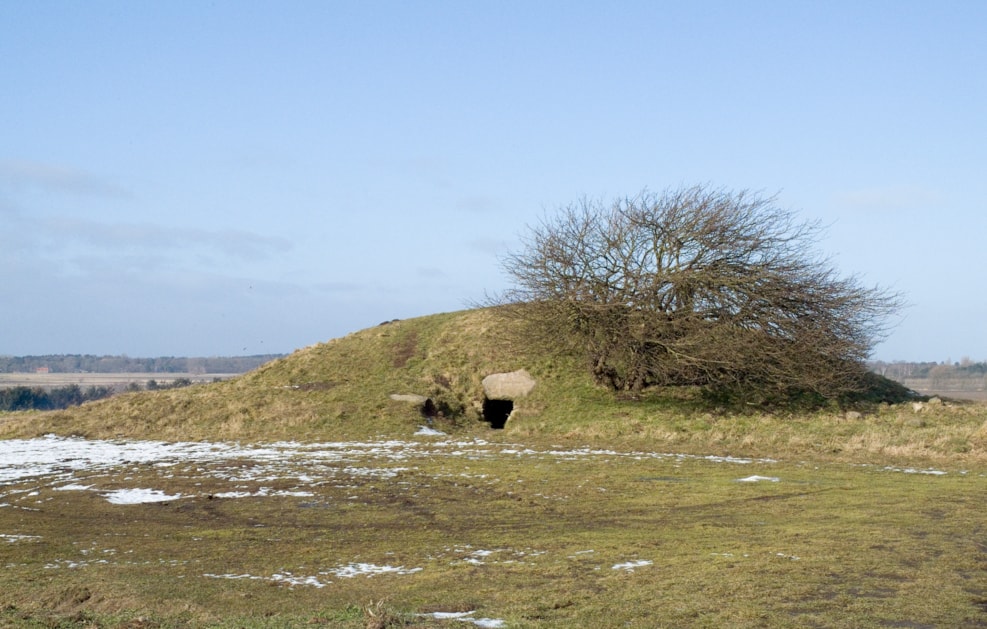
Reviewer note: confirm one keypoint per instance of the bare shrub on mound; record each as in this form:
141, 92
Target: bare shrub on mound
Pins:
696, 286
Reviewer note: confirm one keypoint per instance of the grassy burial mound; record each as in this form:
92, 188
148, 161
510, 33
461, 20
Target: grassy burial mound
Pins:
391, 379
386, 380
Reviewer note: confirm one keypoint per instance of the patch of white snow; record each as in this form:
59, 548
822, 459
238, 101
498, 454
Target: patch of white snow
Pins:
487, 623
368, 569
912, 470
234, 494
138, 496
425, 431
631, 565
18, 538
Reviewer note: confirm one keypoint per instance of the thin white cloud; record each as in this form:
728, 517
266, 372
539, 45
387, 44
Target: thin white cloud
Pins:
430, 272
340, 287
890, 198
115, 267
124, 237
16, 232
477, 204
490, 246
18, 174
429, 170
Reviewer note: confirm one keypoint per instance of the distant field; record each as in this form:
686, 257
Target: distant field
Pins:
958, 395
958, 388
116, 380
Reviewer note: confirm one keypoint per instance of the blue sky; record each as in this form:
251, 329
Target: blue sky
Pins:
225, 178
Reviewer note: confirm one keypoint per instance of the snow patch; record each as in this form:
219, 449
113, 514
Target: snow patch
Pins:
60, 458
138, 496
369, 569
234, 494
425, 431
283, 577
291, 579
758, 479
18, 538
912, 470
487, 623
263, 492
317, 581
631, 565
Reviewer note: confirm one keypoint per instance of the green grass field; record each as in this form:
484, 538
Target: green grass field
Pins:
589, 510
531, 535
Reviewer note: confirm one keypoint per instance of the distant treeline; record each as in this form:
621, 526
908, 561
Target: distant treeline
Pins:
88, 363
39, 399
899, 370
963, 376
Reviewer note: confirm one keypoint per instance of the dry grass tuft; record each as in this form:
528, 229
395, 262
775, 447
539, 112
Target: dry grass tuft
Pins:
380, 616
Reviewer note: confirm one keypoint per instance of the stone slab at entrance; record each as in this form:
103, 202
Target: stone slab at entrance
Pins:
500, 390
508, 386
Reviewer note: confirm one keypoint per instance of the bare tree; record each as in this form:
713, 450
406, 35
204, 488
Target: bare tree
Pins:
697, 286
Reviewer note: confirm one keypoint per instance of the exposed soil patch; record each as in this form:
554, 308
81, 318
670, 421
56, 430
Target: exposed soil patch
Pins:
404, 350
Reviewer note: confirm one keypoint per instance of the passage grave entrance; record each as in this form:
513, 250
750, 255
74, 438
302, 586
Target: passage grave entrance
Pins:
500, 391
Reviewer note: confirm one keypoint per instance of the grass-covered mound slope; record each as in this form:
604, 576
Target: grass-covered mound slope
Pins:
335, 390
340, 390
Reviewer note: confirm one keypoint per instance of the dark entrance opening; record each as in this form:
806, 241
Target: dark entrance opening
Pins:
497, 411
428, 409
